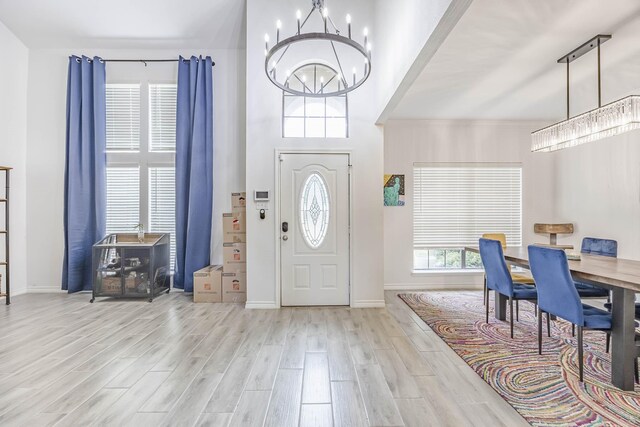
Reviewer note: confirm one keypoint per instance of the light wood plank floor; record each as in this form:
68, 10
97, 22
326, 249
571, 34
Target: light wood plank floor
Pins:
66, 362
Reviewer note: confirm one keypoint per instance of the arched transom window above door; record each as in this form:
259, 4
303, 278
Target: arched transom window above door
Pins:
311, 116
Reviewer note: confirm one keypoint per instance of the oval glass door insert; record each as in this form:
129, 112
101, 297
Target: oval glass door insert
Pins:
314, 210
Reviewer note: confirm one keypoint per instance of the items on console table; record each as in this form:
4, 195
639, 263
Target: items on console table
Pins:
553, 230
127, 268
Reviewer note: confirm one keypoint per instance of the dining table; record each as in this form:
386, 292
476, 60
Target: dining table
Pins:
622, 278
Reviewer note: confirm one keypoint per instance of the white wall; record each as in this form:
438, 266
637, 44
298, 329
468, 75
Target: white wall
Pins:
13, 152
46, 143
403, 27
598, 190
409, 141
264, 105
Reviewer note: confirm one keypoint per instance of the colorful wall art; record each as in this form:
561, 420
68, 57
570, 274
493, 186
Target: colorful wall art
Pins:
394, 190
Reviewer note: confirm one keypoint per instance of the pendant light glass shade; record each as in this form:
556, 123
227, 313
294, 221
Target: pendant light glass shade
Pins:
612, 119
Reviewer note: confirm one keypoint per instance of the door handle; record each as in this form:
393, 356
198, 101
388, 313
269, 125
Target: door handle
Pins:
285, 227
285, 237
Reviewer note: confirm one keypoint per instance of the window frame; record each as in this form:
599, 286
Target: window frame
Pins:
304, 117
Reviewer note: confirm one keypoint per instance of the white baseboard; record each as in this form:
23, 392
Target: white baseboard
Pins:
430, 287
374, 303
261, 305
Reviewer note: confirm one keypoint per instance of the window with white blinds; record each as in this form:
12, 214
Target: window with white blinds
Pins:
141, 158
123, 117
162, 117
162, 203
123, 199
455, 204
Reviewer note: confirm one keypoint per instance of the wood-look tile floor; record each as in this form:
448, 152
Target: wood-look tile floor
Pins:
66, 362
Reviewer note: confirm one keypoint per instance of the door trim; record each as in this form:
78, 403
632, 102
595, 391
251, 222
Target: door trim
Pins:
278, 152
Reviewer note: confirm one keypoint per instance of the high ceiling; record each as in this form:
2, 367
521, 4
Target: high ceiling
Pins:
126, 23
499, 62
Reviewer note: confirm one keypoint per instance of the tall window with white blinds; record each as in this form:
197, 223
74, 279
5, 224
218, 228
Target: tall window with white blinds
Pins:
141, 158
454, 204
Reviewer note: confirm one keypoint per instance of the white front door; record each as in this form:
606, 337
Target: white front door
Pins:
314, 229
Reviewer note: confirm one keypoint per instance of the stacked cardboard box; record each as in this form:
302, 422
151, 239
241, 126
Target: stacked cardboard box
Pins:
207, 284
234, 266
227, 282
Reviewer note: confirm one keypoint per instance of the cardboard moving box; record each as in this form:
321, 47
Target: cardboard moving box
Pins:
234, 287
238, 202
234, 257
234, 227
207, 284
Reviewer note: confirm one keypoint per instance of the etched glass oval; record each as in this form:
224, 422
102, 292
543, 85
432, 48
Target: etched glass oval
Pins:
314, 210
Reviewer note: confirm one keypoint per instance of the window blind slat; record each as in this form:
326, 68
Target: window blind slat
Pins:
123, 117
162, 204
162, 117
454, 206
123, 199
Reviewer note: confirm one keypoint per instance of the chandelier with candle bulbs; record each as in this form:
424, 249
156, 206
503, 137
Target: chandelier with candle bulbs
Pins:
341, 51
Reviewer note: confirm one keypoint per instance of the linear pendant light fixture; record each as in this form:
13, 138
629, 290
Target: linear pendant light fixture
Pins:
607, 120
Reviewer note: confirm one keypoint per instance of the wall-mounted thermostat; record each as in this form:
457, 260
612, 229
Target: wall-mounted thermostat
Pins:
261, 196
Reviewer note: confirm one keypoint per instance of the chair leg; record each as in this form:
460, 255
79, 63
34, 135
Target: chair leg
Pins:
539, 330
548, 325
486, 320
580, 354
511, 314
636, 372
573, 330
608, 341
517, 311
485, 293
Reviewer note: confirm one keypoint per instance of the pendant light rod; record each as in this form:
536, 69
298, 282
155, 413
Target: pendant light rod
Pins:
568, 85
584, 48
599, 80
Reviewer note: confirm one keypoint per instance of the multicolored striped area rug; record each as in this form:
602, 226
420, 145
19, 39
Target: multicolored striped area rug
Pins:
545, 389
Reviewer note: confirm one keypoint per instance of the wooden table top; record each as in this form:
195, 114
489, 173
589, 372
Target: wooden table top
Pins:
615, 272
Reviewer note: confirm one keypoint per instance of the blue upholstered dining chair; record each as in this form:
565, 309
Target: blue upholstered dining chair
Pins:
601, 247
557, 295
499, 277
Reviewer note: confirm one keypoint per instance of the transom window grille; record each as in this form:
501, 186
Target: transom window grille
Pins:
141, 158
455, 204
314, 210
308, 117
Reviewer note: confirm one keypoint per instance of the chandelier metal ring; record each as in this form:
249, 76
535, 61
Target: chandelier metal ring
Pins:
316, 36
275, 54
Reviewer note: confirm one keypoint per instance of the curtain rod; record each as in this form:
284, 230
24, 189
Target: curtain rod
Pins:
145, 61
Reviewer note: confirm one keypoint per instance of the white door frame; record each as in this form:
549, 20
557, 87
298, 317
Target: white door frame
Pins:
276, 205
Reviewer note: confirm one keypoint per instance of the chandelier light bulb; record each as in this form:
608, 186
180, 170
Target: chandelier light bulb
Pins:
274, 64
288, 73
304, 78
278, 24
365, 31
325, 12
322, 79
348, 19
266, 38
369, 47
298, 15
